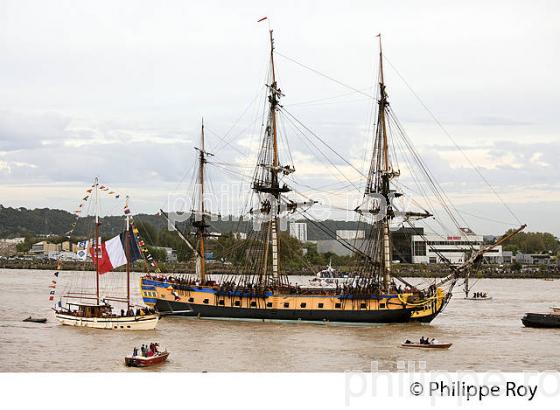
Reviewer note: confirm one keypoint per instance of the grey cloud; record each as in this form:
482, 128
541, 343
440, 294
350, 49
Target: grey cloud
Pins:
27, 130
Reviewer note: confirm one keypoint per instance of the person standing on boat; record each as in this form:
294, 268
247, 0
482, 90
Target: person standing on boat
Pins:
135, 352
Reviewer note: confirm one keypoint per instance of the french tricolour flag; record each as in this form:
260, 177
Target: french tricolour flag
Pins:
112, 252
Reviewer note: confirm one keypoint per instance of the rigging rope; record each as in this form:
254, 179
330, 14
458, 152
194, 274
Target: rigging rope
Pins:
440, 125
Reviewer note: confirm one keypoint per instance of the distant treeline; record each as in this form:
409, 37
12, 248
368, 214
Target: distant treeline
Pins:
533, 242
22, 222
404, 270
36, 223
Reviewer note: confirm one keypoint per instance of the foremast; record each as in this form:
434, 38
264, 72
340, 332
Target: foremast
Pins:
386, 172
378, 188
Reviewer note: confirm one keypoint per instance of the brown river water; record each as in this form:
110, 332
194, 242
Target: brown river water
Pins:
486, 336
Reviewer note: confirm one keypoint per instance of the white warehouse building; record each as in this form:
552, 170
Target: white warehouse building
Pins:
456, 249
298, 230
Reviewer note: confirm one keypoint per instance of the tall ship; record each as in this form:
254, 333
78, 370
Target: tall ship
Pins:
259, 289
81, 308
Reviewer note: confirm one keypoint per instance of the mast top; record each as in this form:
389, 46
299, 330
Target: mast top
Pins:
381, 79
272, 59
202, 135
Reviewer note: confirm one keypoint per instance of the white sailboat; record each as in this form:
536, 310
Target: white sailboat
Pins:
98, 313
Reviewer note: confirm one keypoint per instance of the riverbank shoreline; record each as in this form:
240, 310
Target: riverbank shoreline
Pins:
403, 270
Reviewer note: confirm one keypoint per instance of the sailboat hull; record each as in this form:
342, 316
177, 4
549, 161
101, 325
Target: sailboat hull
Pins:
146, 322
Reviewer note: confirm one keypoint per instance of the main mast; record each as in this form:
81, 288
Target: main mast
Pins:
266, 183
127, 254
200, 214
274, 97
97, 240
266, 180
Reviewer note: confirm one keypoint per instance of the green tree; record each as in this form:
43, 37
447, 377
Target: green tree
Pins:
26, 245
291, 252
172, 240
158, 254
313, 257
532, 242
147, 232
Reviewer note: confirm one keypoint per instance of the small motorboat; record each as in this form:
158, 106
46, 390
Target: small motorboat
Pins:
141, 361
36, 319
436, 345
479, 298
541, 320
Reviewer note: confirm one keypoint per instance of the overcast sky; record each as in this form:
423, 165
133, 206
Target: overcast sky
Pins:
118, 88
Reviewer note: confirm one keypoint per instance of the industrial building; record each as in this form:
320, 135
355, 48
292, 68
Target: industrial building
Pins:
453, 248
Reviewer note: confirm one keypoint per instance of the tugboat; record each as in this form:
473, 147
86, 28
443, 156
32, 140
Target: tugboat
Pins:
542, 320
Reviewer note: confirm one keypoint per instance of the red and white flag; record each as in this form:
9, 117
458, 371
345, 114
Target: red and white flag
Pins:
111, 254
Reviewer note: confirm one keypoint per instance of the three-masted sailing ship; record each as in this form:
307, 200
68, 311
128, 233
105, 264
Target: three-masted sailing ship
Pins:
84, 309
261, 291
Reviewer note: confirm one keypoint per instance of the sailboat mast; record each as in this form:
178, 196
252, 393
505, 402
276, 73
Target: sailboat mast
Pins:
273, 103
275, 197
267, 184
201, 229
97, 223
385, 172
127, 254
382, 105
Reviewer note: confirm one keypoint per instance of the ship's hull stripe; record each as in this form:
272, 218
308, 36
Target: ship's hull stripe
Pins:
166, 285
314, 315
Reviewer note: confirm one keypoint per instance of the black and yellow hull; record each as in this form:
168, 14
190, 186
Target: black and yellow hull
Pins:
271, 314
209, 302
